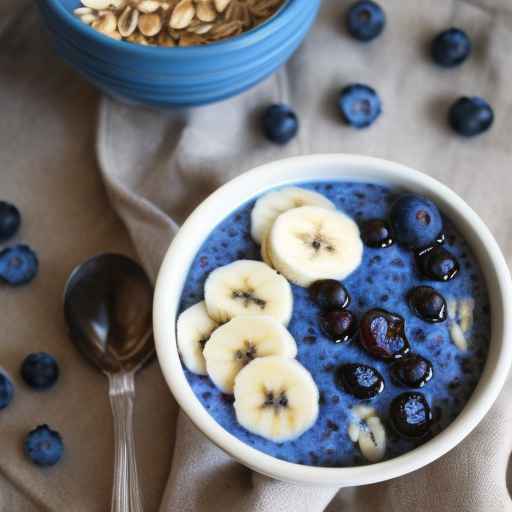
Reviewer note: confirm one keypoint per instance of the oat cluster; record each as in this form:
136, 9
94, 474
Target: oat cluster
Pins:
175, 22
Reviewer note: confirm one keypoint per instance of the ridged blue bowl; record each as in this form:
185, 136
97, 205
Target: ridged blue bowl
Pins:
177, 77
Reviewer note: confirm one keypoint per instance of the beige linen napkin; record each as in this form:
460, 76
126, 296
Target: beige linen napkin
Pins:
156, 168
171, 161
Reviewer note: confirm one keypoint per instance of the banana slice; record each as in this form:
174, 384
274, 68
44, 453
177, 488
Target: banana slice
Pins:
271, 205
311, 243
248, 287
265, 254
276, 398
242, 339
193, 330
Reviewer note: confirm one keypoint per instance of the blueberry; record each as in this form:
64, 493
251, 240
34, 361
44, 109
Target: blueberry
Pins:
340, 325
438, 264
10, 220
365, 20
329, 294
410, 414
427, 303
416, 221
44, 446
382, 334
280, 123
412, 371
40, 370
360, 380
450, 48
471, 116
376, 233
6, 390
359, 105
18, 265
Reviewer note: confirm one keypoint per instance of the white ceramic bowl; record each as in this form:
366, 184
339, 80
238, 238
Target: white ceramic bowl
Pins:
333, 167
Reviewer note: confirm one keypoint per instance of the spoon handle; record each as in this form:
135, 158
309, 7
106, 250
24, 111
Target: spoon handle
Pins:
126, 495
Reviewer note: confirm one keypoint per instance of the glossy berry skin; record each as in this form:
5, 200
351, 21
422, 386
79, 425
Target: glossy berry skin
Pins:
376, 233
339, 325
360, 380
427, 304
365, 20
412, 371
280, 123
382, 335
40, 370
450, 48
10, 220
438, 264
329, 294
410, 414
6, 390
359, 105
416, 221
471, 116
43, 446
18, 265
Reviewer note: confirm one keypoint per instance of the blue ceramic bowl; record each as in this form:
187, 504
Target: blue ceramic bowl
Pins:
176, 77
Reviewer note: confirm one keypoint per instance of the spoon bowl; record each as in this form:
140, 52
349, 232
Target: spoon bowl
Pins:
107, 305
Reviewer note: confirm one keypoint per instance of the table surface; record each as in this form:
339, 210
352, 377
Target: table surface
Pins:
48, 168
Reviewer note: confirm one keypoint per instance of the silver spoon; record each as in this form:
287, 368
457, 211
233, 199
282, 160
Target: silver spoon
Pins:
107, 305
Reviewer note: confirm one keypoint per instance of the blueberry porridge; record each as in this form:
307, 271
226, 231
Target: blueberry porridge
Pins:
334, 323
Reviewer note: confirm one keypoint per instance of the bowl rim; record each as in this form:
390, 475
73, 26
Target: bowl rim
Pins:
287, 11
343, 167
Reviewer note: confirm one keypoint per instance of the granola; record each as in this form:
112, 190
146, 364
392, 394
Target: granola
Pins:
169, 23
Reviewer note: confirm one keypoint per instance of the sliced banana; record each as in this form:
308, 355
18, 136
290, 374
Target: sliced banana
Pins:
368, 431
372, 440
242, 339
311, 243
271, 205
265, 254
248, 287
276, 398
193, 329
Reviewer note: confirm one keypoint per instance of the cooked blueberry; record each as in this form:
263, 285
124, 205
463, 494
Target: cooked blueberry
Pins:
412, 371
438, 264
359, 105
329, 294
40, 370
410, 414
471, 116
451, 47
416, 221
427, 303
43, 446
10, 220
340, 325
18, 265
365, 20
360, 380
280, 123
376, 233
382, 334
6, 390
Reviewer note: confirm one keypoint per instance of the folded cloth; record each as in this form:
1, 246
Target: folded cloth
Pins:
156, 168
159, 166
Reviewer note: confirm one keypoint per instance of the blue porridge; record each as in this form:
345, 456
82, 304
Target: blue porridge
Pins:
387, 355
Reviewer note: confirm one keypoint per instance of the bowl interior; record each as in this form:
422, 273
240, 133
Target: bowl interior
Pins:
333, 167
